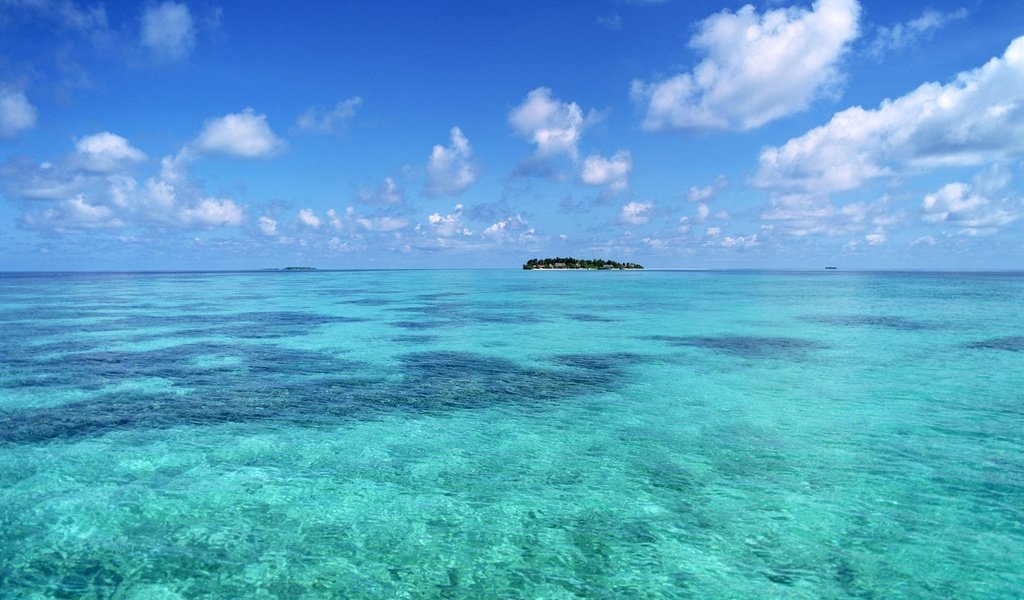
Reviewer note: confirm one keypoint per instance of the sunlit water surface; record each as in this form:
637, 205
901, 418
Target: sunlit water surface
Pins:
512, 434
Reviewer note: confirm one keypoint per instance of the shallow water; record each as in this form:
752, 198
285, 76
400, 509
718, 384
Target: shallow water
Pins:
512, 434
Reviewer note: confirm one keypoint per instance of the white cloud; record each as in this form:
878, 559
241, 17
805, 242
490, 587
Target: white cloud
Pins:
506, 229
212, 212
611, 172
976, 118
713, 231
382, 223
334, 219
268, 226
45, 181
703, 194
448, 225
635, 213
739, 241
759, 67
802, 215
450, 170
16, 113
66, 13
168, 31
74, 214
972, 208
554, 126
93, 188
308, 218
875, 239
901, 35
337, 245
387, 192
703, 210
105, 152
326, 121
245, 134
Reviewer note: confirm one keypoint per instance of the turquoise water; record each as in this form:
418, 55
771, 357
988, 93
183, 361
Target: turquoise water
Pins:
512, 434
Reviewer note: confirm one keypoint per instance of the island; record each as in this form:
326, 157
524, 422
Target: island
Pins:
278, 269
599, 264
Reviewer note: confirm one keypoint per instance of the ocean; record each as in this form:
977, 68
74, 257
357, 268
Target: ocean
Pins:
512, 434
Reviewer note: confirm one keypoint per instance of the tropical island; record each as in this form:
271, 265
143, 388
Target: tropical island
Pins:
577, 263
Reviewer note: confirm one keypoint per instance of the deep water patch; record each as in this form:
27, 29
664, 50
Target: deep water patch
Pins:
590, 318
744, 346
211, 384
1010, 344
879, 321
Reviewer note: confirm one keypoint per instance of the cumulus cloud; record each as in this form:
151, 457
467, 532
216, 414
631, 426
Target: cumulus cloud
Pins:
308, 218
703, 210
448, 225
803, 215
610, 172
93, 188
335, 219
976, 209
554, 126
703, 194
268, 226
245, 134
514, 226
65, 13
901, 35
168, 31
74, 213
16, 113
635, 213
382, 223
212, 212
25, 179
386, 193
450, 169
875, 239
327, 121
105, 152
759, 67
739, 241
976, 118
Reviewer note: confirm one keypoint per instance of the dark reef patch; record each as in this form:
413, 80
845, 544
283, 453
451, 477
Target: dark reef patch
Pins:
413, 339
1011, 344
367, 301
420, 325
588, 318
211, 383
744, 346
501, 318
879, 321
248, 325
614, 361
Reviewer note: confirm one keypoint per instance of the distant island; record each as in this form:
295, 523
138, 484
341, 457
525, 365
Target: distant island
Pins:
290, 269
577, 263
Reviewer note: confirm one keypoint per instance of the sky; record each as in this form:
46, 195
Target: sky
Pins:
676, 133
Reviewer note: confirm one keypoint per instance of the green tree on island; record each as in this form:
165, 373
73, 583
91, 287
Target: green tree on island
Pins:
577, 263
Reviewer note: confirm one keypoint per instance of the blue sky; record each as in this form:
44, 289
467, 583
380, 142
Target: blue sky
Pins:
392, 134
